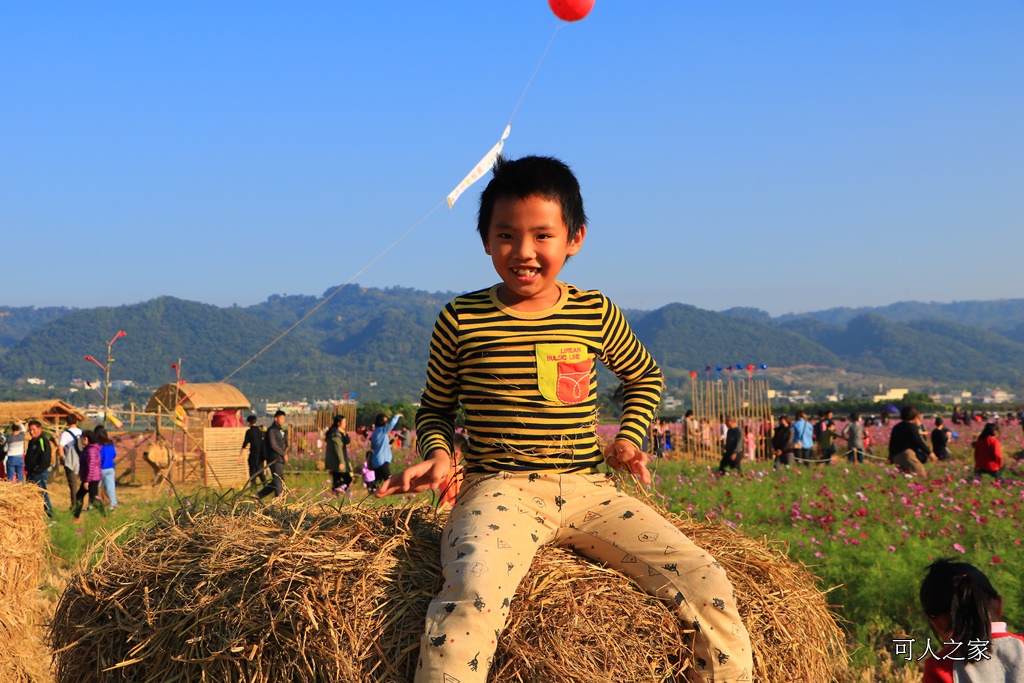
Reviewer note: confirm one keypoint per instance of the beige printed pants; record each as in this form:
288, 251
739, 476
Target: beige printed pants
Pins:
500, 521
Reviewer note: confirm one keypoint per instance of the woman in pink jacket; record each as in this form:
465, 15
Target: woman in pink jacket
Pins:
89, 474
988, 453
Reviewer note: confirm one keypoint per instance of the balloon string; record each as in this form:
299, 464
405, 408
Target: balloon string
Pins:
400, 237
338, 288
535, 70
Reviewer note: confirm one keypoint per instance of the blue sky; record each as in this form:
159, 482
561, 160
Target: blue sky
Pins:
790, 156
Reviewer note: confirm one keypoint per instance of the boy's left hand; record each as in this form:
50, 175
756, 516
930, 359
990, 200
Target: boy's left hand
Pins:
624, 456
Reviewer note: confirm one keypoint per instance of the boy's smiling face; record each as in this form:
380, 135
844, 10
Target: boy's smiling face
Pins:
528, 243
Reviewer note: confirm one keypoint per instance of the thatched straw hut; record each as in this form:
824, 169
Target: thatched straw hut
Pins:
23, 553
209, 454
234, 591
50, 412
201, 400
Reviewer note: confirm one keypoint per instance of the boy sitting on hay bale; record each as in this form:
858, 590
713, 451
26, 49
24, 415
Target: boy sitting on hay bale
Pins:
519, 357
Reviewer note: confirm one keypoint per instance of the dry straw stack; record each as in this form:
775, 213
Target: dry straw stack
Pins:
229, 591
23, 557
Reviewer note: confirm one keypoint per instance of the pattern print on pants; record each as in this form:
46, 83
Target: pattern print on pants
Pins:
499, 523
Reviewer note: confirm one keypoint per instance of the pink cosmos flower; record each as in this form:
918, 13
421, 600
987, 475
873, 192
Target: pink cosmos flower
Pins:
959, 548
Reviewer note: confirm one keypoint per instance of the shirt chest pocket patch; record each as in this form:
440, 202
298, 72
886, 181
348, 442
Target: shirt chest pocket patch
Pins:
563, 372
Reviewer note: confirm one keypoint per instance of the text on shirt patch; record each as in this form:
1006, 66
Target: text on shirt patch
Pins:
563, 372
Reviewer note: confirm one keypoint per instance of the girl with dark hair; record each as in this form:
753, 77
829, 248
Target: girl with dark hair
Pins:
107, 455
88, 474
988, 453
964, 610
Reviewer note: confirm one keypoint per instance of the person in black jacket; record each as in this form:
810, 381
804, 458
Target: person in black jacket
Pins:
336, 455
781, 439
733, 452
940, 440
907, 447
38, 457
276, 454
254, 442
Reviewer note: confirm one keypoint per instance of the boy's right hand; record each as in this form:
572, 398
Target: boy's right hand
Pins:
624, 456
423, 476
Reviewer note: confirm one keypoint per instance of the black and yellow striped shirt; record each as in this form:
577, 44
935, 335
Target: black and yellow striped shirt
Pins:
528, 381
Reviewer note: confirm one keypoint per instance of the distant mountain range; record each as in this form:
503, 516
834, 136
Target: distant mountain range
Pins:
1000, 315
374, 342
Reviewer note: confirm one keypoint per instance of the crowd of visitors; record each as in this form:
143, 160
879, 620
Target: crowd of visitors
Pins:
797, 440
87, 458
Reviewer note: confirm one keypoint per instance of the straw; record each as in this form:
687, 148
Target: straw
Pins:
228, 590
23, 556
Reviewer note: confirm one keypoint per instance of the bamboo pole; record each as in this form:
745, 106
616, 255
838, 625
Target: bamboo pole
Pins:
761, 454
698, 450
700, 412
704, 419
769, 426
764, 428
757, 425
760, 419
712, 405
723, 393
712, 432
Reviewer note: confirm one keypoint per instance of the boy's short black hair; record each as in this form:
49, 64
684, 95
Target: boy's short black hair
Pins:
532, 176
251, 419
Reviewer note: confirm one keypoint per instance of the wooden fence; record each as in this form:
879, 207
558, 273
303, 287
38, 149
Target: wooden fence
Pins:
703, 438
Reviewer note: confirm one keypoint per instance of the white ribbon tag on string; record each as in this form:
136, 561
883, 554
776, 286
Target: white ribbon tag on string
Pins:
483, 166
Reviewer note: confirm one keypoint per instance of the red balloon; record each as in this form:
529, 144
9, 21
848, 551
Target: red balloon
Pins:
571, 10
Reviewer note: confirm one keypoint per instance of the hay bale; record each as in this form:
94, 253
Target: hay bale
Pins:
23, 556
238, 592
